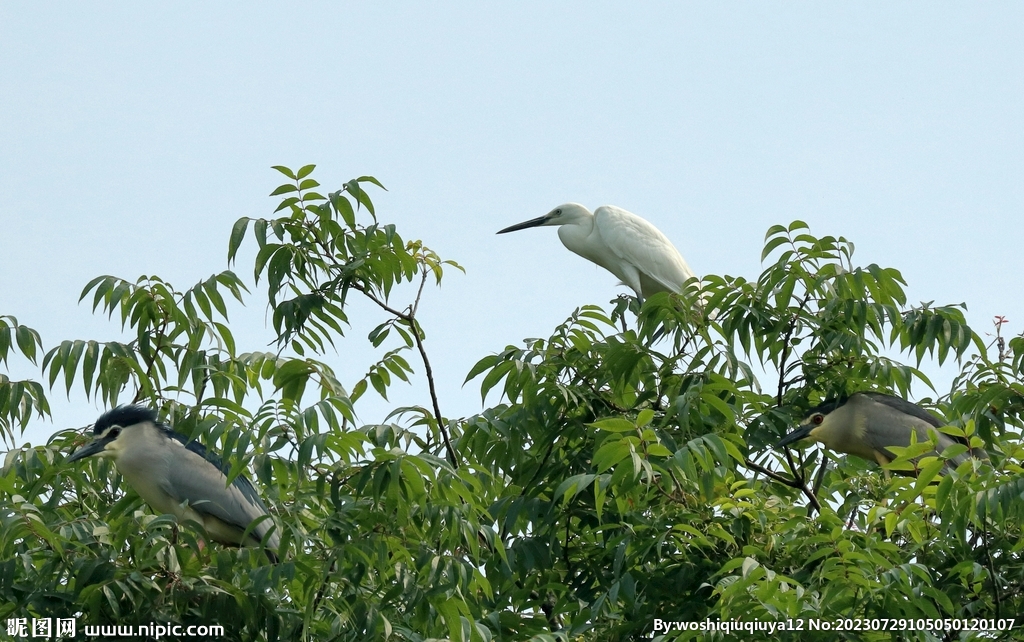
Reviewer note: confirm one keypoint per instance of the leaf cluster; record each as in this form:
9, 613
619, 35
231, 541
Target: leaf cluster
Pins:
623, 472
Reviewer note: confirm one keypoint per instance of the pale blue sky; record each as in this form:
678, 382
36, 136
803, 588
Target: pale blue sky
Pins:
132, 136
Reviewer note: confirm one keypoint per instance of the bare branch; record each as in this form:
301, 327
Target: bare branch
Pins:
796, 482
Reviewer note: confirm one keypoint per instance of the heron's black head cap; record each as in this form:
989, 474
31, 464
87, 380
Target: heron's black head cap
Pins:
123, 416
827, 407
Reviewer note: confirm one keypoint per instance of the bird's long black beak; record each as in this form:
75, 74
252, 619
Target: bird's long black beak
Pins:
802, 432
533, 222
91, 448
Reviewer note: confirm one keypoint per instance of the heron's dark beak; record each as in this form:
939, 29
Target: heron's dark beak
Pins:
802, 432
533, 222
89, 449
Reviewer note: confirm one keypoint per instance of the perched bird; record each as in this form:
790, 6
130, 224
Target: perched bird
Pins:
180, 477
621, 242
867, 424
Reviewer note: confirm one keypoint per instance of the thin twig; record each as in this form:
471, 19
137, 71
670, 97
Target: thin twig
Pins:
419, 293
355, 285
992, 572
667, 495
323, 588
794, 380
794, 468
433, 395
821, 475
551, 447
786, 351
568, 562
769, 473
786, 346
796, 482
410, 320
152, 361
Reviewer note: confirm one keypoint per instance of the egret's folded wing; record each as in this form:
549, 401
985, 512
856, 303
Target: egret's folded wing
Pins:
644, 246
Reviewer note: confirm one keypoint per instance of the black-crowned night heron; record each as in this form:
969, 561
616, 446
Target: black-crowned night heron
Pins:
180, 477
867, 424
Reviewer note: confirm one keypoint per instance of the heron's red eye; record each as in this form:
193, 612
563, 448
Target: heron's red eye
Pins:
817, 419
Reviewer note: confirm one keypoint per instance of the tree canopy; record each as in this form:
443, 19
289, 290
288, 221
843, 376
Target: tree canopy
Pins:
625, 473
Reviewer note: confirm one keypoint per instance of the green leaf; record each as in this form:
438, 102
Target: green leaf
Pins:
237, 235
574, 485
361, 197
27, 341
284, 170
483, 364
370, 179
613, 424
773, 230
611, 453
358, 389
770, 246
658, 450
286, 188
71, 364
928, 473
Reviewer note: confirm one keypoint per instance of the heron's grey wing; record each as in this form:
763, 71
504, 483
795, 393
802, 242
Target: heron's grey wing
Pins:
893, 430
904, 406
635, 240
914, 410
919, 412
195, 478
241, 481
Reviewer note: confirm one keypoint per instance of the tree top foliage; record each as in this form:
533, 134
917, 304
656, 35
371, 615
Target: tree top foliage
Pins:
625, 471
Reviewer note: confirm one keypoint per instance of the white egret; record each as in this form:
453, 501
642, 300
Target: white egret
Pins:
621, 242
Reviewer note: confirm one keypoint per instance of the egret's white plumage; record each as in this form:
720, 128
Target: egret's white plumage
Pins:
621, 242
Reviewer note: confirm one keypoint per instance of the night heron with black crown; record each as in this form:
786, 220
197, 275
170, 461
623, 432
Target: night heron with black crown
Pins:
869, 424
182, 478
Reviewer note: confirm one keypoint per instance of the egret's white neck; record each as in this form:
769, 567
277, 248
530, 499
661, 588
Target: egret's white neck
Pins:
575, 231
